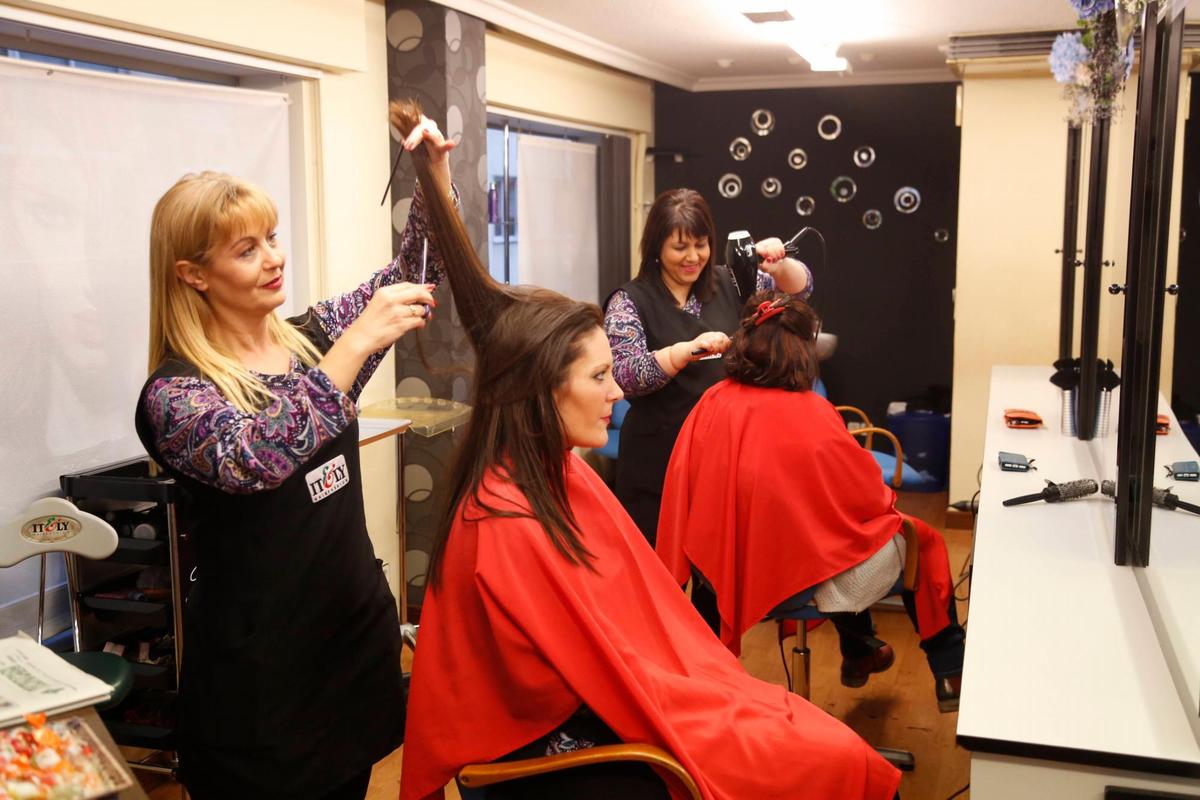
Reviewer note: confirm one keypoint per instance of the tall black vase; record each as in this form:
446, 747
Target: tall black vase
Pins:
1089, 329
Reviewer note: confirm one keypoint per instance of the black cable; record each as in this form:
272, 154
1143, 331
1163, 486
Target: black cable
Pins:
787, 673
960, 791
795, 240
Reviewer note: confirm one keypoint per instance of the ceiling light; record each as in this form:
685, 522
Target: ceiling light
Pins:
821, 56
814, 45
826, 63
724, 63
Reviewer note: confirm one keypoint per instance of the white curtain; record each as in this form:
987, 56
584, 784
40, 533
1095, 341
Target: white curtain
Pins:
83, 159
556, 216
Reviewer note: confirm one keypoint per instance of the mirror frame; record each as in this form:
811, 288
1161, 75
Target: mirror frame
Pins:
1149, 222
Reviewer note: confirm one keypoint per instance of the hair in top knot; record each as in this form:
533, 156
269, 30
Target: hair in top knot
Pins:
776, 344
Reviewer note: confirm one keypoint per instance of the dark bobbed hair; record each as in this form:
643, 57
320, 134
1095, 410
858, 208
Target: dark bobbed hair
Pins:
780, 353
525, 340
678, 210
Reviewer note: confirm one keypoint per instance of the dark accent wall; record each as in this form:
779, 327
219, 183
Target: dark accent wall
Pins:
436, 55
1185, 379
887, 293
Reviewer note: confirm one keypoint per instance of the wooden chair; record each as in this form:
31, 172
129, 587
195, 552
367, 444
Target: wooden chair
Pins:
474, 778
902, 475
477, 776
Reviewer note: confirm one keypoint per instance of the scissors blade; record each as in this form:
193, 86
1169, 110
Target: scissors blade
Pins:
424, 258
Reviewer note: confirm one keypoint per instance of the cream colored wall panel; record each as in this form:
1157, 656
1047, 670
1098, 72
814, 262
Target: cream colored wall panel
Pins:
1009, 224
1011, 181
996, 777
354, 140
523, 76
323, 33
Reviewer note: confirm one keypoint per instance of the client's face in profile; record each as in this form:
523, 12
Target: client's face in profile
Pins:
586, 396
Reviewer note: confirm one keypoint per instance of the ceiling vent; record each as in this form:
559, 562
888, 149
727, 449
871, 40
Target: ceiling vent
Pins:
768, 16
1000, 45
1033, 43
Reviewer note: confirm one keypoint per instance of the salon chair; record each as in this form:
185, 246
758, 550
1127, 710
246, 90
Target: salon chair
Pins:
802, 610
474, 779
77, 534
612, 447
894, 470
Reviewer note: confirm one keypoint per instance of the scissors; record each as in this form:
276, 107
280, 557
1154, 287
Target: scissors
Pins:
424, 263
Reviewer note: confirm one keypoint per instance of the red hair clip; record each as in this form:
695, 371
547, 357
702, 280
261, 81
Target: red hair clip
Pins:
767, 310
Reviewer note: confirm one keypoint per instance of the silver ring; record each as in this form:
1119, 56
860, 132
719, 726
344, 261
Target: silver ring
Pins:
412, 309
829, 127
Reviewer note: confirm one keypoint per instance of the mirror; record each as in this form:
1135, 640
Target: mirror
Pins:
1171, 578
1154, 533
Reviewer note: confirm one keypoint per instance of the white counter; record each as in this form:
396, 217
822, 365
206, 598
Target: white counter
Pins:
1063, 663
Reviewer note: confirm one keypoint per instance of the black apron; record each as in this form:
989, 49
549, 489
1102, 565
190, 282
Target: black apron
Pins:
291, 679
652, 424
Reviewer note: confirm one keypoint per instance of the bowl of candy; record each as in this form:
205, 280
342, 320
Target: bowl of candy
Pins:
57, 760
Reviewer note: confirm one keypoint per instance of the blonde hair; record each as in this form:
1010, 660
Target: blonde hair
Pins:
198, 214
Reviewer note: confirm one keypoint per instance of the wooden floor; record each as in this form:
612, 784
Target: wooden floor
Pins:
895, 709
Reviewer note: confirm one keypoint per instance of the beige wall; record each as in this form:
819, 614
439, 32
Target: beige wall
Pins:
1011, 193
322, 33
354, 164
525, 77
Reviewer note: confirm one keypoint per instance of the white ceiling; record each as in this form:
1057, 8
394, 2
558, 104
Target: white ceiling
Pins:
680, 41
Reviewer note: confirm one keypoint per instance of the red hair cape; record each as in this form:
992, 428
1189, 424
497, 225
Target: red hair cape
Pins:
767, 494
515, 638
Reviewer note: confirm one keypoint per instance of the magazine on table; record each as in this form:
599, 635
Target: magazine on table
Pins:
34, 679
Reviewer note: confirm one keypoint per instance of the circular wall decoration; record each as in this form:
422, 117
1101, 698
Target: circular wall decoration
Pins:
829, 127
864, 156
797, 158
739, 148
941, 236
771, 187
843, 189
805, 206
762, 121
872, 218
730, 185
907, 200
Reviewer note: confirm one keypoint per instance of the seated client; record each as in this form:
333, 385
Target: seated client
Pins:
767, 495
549, 623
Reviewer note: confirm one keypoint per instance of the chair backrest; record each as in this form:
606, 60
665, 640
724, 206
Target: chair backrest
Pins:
620, 408
55, 525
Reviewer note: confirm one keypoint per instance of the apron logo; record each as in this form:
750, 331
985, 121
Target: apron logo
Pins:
327, 479
47, 530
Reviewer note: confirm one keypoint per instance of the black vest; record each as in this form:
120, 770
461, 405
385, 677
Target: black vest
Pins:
653, 422
291, 679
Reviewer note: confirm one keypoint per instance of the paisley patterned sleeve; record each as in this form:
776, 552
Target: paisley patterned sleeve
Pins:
336, 314
204, 436
635, 368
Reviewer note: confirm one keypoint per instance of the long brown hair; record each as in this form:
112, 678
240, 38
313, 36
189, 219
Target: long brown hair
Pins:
776, 344
682, 210
525, 339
